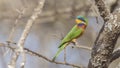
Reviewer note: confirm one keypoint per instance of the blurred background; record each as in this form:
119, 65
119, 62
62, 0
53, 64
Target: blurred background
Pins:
55, 21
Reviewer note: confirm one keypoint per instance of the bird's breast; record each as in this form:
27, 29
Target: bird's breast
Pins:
81, 33
83, 26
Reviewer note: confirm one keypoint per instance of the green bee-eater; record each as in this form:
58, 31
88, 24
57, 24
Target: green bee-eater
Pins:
75, 32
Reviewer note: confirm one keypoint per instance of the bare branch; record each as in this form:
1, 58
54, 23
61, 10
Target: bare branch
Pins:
10, 38
82, 47
25, 33
104, 12
41, 56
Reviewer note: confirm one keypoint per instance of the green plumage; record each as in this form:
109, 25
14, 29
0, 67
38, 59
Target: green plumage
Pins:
74, 33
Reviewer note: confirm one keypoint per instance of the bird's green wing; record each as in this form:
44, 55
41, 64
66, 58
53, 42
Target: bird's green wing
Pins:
74, 33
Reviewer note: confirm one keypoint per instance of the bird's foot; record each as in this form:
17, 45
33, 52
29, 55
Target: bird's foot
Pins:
73, 44
74, 41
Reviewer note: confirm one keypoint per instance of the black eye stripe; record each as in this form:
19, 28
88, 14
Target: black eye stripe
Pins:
81, 24
83, 20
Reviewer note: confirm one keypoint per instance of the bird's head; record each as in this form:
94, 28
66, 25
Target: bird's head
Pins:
81, 19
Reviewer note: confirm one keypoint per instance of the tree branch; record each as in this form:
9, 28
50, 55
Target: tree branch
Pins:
113, 6
115, 55
104, 12
103, 48
40, 56
11, 35
45, 58
24, 35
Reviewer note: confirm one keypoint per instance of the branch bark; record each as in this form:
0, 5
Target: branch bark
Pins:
115, 55
104, 12
102, 50
113, 6
104, 46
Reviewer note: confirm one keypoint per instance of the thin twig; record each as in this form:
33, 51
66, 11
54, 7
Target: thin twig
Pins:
82, 47
76, 45
41, 56
11, 35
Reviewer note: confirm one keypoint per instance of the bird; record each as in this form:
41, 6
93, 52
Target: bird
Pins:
77, 31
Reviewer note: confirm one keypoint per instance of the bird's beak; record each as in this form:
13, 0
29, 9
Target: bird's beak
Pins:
78, 21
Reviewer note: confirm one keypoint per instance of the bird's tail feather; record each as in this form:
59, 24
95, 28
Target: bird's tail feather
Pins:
58, 52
